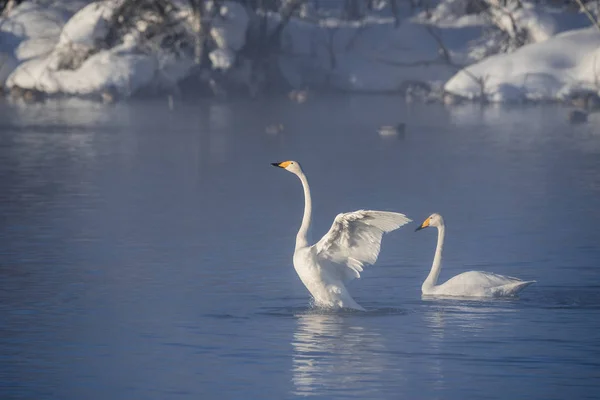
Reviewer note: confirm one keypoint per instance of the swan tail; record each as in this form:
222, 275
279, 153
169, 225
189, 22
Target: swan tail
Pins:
512, 289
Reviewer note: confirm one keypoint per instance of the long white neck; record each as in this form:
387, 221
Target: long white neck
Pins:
302, 236
436, 267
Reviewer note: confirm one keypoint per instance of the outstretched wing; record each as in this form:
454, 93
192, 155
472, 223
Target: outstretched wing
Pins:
354, 240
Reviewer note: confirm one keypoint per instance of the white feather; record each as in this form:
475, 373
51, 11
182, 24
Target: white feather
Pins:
354, 239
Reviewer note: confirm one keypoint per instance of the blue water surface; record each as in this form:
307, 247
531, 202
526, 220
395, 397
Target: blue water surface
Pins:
146, 253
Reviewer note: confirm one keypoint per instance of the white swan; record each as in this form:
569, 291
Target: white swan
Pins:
353, 241
467, 284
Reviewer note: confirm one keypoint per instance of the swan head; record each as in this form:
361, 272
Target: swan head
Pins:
434, 219
291, 166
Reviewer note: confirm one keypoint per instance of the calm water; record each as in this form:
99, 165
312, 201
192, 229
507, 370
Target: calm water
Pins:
147, 254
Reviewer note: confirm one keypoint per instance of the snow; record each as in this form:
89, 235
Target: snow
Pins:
373, 56
117, 69
33, 20
539, 24
222, 58
451, 13
75, 67
88, 26
59, 47
34, 27
228, 30
107, 70
60, 51
550, 70
31, 30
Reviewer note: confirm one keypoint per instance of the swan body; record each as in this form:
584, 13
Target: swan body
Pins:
478, 284
353, 241
467, 284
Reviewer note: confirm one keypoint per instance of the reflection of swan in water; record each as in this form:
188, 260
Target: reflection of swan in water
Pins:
435, 319
469, 317
333, 353
220, 117
467, 284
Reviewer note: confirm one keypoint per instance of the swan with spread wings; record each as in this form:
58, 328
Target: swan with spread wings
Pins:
353, 241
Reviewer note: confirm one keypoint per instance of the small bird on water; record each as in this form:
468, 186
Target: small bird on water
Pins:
389, 130
299, 96
274, 129
577, 116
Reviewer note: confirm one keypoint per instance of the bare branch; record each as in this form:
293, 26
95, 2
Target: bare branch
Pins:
330, 46
589, 14
481, 81
419, 63
286, 15
355, 36
443, 49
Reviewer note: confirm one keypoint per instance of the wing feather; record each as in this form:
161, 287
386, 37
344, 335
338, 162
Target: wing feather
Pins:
354, 240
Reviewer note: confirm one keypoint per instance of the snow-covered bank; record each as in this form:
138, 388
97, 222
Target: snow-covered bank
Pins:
77, 58
554, 69
32, 29
526, 56
59, 50
475, 49
76, 66
229, 33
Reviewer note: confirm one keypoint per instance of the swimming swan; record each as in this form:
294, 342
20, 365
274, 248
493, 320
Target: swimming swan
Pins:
353, 241
467, 284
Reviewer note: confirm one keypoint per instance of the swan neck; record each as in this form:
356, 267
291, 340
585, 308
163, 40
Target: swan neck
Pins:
302, 236
436, 267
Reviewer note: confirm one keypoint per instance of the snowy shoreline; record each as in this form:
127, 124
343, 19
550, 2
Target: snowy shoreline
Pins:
69, 49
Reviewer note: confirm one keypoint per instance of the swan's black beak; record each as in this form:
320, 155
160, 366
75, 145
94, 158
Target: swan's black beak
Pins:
424, 225
276, 164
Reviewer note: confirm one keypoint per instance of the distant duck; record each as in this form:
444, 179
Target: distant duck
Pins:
579, 101
109, 95
577, 116
32, 96
451, 99
16, 92
274, 129
586, 100
298, 96
390, 131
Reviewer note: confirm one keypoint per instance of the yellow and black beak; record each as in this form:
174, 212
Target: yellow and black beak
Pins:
282, 164
424, 225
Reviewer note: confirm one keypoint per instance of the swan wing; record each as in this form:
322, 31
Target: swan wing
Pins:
354, 240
